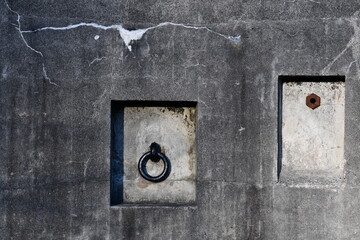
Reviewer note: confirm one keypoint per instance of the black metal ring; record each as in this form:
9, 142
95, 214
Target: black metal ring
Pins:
142, 167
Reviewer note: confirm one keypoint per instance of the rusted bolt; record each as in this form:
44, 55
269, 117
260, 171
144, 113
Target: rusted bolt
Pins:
313, 101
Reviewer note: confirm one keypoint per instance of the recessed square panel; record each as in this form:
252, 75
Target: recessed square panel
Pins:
172, 128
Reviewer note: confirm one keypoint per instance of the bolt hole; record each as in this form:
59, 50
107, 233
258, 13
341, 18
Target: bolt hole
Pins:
312, 100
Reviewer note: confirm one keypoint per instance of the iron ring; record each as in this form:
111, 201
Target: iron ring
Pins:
142, 166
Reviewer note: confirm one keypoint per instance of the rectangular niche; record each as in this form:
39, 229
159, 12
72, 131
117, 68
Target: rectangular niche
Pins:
135, 125
311, 129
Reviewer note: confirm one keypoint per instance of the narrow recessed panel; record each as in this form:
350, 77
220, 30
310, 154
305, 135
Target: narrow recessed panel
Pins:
313, 132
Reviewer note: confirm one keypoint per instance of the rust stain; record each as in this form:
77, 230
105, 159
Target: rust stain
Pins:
191, 151
192, 115
143, 184
176, 109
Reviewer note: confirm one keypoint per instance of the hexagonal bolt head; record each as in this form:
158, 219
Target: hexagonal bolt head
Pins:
313, 101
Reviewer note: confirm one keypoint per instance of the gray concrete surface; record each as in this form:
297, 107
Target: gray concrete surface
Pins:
62, 62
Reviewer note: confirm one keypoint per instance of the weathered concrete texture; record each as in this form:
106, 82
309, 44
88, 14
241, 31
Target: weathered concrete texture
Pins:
172, 128
313, 138
57, 85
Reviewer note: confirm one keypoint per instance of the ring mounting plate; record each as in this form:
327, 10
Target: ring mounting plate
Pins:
174, 129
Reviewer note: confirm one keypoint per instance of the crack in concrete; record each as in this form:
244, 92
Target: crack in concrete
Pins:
86, 165
353, 45
46, 76
313, 1
349, 67
128, 36
98, 59
18, 27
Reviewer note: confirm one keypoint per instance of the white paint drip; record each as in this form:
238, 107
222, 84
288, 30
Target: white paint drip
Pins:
96, 37
131, 35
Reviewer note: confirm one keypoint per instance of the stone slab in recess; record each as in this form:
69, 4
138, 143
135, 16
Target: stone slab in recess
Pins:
313, 139
172, 128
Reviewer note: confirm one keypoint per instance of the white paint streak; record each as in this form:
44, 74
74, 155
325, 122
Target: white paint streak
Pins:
130, 35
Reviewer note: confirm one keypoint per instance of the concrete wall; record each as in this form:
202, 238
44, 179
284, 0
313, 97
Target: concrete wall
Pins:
62, 62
